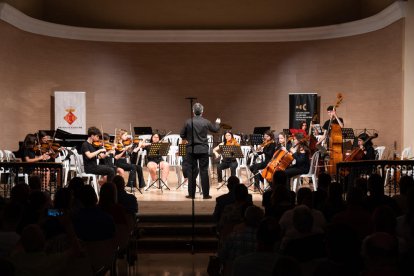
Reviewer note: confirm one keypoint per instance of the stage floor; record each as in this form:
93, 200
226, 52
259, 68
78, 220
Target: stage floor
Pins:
173, 201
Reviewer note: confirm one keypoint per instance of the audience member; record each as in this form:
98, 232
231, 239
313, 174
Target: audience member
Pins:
262, 261
128, 201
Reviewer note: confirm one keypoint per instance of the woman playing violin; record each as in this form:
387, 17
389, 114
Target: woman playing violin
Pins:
109, 156
155, 162
268, 148
123, 148
32, 151
226, 162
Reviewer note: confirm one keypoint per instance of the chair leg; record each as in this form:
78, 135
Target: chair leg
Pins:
314, 182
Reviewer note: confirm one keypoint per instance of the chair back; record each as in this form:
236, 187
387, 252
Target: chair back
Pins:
174, 139
314, 163
145, 137
380, 152
406, 153
9, 156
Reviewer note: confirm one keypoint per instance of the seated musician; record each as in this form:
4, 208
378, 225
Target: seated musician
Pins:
92, 149
124, 147
268, 148
365, 144
109, 159
301, 154
32, 151
155, 162
333, 119
226, 162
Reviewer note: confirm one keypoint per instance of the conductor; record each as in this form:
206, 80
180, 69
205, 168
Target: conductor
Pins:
197, 140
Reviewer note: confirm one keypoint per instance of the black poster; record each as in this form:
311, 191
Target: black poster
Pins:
302, 107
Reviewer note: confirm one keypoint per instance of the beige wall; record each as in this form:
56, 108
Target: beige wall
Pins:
246, 84
409, 77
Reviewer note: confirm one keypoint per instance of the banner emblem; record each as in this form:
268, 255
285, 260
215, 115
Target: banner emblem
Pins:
70, 118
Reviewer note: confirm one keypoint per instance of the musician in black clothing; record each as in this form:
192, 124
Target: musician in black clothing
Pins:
365, 143
123, 149
268, 148
91, 153
333, 119
197, 139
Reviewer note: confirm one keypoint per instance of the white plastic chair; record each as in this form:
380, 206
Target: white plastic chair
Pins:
174, 139
390, 172
311, 174
91, 178
380, 152
10, 157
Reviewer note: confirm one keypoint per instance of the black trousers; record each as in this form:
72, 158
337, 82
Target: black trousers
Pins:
232, 164
257, 176
109, 171
133, 169
196, 161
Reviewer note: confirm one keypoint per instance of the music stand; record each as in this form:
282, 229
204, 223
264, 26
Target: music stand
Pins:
230, 152
256, 139
182, 151
159, 150
348, 133
260, 130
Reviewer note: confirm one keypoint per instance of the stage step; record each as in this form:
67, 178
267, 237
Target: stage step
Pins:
173, 233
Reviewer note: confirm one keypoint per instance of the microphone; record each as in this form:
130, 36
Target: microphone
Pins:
191, 98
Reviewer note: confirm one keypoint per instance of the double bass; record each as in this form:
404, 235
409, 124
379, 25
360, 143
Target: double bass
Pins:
335, 141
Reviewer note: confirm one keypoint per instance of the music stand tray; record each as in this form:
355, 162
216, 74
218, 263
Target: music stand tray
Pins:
182, 151
348, 133
256, 139
159, 149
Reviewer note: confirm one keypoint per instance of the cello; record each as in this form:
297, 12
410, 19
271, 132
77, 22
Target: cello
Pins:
280, 161
358, 153
335, 141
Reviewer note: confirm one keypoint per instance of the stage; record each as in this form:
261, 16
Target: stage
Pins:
173, 201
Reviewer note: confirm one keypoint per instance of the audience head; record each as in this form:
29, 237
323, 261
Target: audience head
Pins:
380, 250
304, 196
324, 180
241, 193
268, 234
375, 185
384, 220
35, 183
88, 196
253, 215
20, 193
335, 191
108, 195
302, 219
361, 183
32, 238
287, 266
75, 185
342, 243
119, 182
406, 183
279, 178
232, 182
63, 199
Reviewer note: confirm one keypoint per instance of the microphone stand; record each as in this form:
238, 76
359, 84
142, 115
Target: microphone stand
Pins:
191, 176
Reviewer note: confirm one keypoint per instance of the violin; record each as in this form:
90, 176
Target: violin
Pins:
97, 144
108, 146
127, 142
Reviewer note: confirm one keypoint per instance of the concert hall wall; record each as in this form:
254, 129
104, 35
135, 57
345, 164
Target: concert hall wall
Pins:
246, 84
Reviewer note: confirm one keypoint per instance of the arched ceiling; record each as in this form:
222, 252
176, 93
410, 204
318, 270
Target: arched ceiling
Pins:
199, 14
